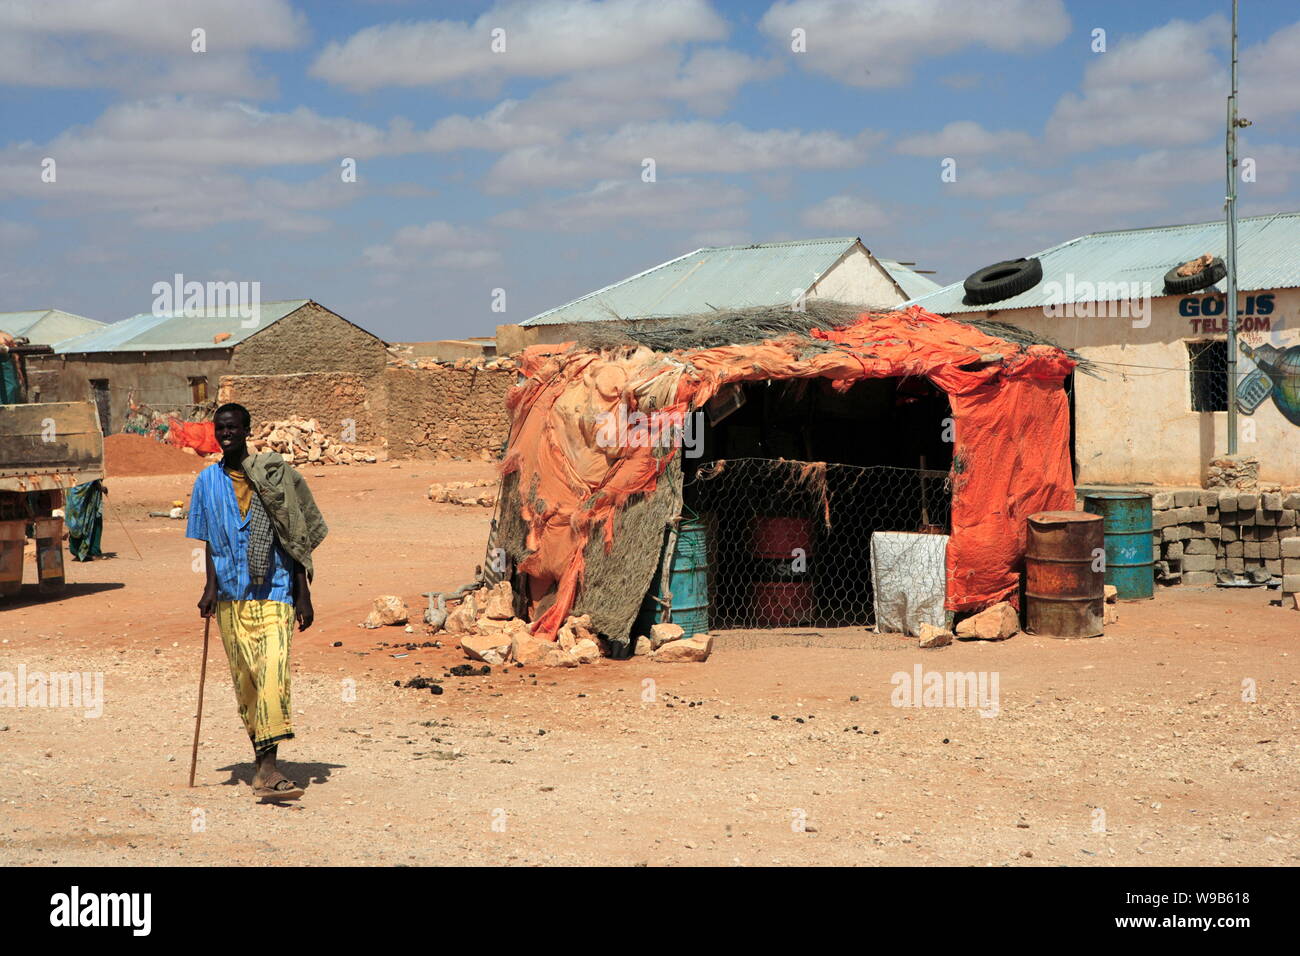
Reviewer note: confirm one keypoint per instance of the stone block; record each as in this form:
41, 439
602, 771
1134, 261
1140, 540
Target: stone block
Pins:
1266, 518
1273, 566
1185, 497
1227, 501
1227, 534
1247, 500
1162, 501
1270, 549
1195, 513
1163, 519
1291, 501
688, 650
1252, 549
1208, 498
1199, 578
1213, 530
1272, 501
1198, 562
1174, 549
1199, 546
1235, 549
1291, 547
1291, 584
1286, 518
1236, 565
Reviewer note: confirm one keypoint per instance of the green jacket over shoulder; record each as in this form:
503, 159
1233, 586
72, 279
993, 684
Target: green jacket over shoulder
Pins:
289, 504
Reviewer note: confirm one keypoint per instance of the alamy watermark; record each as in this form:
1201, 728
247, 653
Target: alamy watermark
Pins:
634, 429
1100, 300
947, 689
76, 689
192, 299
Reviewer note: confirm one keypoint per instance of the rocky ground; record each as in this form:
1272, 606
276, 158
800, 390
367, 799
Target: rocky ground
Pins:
1171, 740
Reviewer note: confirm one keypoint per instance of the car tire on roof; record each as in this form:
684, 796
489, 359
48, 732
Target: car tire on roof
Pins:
1181, 285
1002, 280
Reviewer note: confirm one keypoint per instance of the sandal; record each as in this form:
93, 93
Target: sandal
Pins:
283, 789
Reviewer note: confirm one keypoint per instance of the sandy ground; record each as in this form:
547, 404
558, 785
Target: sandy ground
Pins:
1134, 748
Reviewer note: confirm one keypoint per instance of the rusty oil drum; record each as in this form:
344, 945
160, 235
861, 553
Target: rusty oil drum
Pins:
1064, 587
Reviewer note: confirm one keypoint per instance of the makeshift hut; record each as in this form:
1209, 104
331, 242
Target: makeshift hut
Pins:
834, 427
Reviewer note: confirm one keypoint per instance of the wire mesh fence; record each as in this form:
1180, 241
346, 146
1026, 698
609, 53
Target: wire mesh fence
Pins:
790, 543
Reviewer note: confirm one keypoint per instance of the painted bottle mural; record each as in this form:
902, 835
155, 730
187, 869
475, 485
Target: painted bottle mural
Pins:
1282, 368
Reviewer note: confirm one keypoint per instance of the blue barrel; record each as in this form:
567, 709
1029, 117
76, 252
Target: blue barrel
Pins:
688, 579
1126, 524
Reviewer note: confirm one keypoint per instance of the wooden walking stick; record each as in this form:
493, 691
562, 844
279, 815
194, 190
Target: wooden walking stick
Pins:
198, 718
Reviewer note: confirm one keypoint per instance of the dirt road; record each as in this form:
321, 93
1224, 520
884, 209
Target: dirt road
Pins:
1133, 748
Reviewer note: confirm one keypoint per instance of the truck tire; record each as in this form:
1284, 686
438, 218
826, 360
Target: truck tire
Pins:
1181, 285
1002, 280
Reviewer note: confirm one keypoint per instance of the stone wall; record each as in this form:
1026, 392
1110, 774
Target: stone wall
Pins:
332, 398
445, 412
437, 412
310, 339
1199, 532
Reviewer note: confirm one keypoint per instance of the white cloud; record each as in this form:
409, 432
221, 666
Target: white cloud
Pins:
542, 39
699, 206
965, 138
434, 245
878, 42
185, 132
845, 213
144, 46
1165, 87
676, 147
15, 232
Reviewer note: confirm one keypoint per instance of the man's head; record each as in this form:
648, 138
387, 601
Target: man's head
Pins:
232, 423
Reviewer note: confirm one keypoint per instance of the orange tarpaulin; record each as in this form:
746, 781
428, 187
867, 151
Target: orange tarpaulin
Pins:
1011, 423
201, 436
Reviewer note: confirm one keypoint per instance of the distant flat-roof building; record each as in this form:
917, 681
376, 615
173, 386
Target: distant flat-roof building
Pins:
174, 362
731, 277
1158, 413
46, 326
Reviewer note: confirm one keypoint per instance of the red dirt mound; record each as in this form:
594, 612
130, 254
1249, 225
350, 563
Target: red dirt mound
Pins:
130, 455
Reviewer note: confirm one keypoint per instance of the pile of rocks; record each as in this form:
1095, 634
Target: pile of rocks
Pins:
303, 441
485, 363
1199, 533
490, 632
1233, 471
469, 493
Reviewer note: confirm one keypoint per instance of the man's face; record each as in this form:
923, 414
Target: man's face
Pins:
230, 430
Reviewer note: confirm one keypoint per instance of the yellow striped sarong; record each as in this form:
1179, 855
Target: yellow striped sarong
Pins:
257, 636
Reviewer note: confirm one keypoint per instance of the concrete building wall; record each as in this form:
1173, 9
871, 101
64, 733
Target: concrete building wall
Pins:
159, 379
1136, 423
310, 339
332, 398
856, 278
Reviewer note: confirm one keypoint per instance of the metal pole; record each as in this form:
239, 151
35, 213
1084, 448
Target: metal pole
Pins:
1230, 259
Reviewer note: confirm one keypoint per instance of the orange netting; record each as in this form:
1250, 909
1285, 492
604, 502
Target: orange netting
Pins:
1011, 423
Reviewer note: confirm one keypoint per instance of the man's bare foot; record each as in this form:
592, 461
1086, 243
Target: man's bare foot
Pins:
267, 778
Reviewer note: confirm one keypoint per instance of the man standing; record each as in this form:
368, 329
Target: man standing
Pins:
261, 525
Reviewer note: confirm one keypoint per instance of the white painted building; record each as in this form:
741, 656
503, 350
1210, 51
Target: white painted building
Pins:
1158, 413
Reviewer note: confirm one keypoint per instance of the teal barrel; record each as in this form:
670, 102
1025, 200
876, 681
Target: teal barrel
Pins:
688, 579
1126, 524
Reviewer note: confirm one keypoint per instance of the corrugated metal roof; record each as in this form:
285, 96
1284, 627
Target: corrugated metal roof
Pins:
46, 326
1268, 257
912, 283
723, 277
147, 332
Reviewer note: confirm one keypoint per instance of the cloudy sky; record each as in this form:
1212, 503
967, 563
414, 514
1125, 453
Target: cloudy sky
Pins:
522, 168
